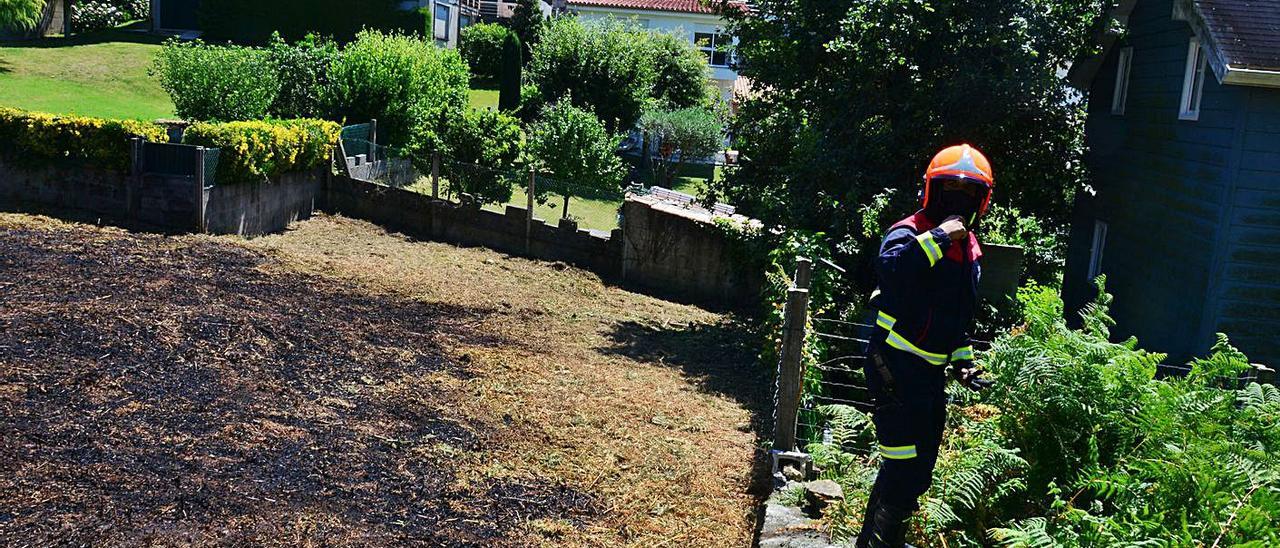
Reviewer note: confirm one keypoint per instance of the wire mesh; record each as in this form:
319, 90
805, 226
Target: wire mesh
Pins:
212, 156
369, 161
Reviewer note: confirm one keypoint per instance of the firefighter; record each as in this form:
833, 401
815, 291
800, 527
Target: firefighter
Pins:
928, 271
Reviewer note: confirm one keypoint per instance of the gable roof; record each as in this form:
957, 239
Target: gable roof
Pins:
1244, 33
679, 6
1242, 38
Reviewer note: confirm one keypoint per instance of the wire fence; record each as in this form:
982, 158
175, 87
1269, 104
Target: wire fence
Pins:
839, 378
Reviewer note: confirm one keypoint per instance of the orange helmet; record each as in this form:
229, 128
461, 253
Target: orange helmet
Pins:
963, 163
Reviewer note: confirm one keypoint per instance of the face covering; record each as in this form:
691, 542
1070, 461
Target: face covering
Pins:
955, 198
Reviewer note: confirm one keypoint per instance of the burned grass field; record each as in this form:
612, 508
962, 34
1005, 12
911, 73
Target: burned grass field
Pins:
337, 385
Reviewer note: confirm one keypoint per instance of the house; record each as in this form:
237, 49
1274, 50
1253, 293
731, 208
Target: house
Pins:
449, 17
175, 16
1183, 132
698, 22
446, 18
493, 10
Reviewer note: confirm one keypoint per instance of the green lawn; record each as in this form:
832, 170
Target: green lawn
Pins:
598, 214
484, 98
103, 75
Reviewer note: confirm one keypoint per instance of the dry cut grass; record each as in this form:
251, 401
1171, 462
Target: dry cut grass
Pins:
369, 390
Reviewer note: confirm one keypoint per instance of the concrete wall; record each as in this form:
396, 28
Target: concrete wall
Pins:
421, 216
678, 252
165, 203
162, 203
253, 210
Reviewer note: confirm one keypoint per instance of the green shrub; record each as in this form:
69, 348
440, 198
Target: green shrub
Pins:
616, 69
580, 154
303, 71
680, 135
257, 151
683, 78
407, 84
20, 15
481, 46
254, 21
91, 15
605, 67
487, 139
219, 83
35, 136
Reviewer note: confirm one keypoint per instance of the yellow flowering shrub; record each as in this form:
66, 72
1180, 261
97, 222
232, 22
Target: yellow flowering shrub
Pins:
37, 136
259, 150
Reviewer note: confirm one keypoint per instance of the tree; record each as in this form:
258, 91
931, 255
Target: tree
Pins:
854, 98
527, 22
681, 135
509, 90
577, 150
682, 76
409, 85
480, 149
20, 15
616, 69
482, 47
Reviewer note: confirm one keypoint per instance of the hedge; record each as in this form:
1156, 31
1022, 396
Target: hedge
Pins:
256, 151
37, 136
481, 47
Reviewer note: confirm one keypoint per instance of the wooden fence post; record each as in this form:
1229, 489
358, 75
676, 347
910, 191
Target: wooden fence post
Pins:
435, 175
373, 140
791, 365
804, 272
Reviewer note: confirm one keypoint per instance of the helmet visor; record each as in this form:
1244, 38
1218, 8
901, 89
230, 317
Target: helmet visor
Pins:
972, 188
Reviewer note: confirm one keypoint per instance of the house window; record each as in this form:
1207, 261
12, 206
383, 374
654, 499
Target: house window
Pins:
442, 23
464, 21
1121, 95
1193, 81
715, 46
1095, 252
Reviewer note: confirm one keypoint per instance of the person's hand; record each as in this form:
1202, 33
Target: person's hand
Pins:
954, 227
971, 378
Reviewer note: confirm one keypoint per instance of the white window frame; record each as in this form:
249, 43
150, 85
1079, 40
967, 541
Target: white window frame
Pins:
1193, 81
1097, 249
718, 41
1121, 95
441, 32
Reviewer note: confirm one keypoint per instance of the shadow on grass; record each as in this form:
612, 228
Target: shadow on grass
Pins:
157, 392
131, 34
720, 357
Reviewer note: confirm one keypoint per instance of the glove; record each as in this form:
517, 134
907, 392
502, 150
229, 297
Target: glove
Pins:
970, 377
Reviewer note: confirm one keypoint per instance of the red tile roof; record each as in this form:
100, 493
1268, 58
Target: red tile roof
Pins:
681, 6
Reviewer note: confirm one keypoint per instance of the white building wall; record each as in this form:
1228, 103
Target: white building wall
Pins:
682, 24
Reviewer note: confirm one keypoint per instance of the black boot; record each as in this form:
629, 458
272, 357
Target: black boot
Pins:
888, 528
868, 518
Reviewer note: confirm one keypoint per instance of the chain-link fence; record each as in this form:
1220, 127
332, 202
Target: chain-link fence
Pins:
369, 161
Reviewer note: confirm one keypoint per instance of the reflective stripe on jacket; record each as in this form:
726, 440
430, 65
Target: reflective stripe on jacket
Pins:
928, 291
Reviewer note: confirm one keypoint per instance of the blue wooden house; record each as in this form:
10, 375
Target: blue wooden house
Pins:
1183, 133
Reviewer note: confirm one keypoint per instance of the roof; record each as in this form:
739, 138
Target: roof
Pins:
679, 6
1246, 32
1241, 36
